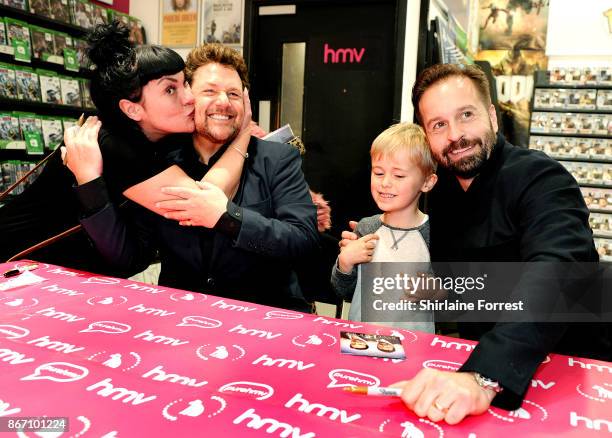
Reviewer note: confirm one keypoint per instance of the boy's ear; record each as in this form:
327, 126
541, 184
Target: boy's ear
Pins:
131, 109
429, 183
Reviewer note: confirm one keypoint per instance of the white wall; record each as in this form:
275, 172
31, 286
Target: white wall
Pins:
411, 44
578, 33
148, 12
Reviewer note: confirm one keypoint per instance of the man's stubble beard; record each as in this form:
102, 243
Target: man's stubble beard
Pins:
469, 167
205, 132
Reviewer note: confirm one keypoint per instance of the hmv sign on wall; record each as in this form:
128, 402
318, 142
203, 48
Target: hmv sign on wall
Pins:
346, 53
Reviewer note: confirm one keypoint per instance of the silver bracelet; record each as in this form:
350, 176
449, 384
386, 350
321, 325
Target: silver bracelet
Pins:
245, 154
485, 382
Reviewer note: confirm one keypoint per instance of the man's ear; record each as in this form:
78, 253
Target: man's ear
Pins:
429, 183
131, 109
493, 117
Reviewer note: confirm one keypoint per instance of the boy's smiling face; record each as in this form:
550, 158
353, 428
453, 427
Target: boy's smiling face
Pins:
396, 182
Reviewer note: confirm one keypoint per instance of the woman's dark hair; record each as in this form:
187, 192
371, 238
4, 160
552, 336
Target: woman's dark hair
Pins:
121, 69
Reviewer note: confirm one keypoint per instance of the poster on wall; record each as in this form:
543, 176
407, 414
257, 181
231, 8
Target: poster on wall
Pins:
179, 23
513, 71
505, 23
222, 21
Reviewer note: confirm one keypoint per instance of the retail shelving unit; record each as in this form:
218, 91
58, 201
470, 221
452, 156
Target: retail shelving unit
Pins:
571, 121
22, 103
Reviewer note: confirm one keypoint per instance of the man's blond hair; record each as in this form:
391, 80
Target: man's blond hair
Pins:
405, 137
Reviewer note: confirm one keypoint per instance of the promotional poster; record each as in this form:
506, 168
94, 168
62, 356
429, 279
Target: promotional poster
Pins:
222, 21
503, 23
513, 71
179, 23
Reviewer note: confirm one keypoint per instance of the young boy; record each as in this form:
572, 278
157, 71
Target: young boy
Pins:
402, 169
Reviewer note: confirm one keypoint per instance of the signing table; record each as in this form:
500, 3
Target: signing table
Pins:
120, 358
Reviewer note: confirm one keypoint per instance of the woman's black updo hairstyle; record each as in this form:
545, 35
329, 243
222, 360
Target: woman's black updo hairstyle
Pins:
121, 70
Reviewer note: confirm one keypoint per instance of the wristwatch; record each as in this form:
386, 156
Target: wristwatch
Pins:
485, 382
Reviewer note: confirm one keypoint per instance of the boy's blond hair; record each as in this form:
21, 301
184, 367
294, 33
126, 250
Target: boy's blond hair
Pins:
405, 137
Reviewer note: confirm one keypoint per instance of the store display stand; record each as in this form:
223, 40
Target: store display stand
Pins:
571, 121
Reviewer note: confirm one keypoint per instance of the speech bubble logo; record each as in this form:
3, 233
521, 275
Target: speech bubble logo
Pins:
441, 365
200, 322
110, 327
188, 297
107, 300
259, 391
281, 314
343, 377
62, 372
13, 331
101, 280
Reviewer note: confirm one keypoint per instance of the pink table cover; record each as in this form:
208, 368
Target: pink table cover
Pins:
121, 358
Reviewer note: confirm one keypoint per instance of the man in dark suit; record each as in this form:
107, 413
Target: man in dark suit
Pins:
496, 202
244, 248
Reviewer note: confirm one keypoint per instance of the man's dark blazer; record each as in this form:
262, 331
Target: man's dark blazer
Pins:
278, 227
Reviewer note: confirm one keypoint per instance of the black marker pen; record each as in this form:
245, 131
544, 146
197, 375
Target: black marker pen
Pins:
16, 271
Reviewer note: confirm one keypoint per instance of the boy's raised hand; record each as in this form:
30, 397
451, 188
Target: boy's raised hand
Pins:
357, 251
348, 236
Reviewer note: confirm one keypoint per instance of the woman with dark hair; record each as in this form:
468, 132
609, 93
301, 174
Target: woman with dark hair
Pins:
144, 102
142, 97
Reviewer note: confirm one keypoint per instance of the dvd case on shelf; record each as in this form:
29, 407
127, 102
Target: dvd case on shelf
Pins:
589, 173
31, 131
71, 91
80, 45
43, 46
19, 31
99, 15
86, 94
571, 123
28, 122
62, 41
60, 10
17, 4
604, 248
50, 88
8, 85
13, 170
82, 13
597, 199
604, 99
605, 76
601, 224
3, 38
40, 7
52, 130
585, 123
28, 85
10, 137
